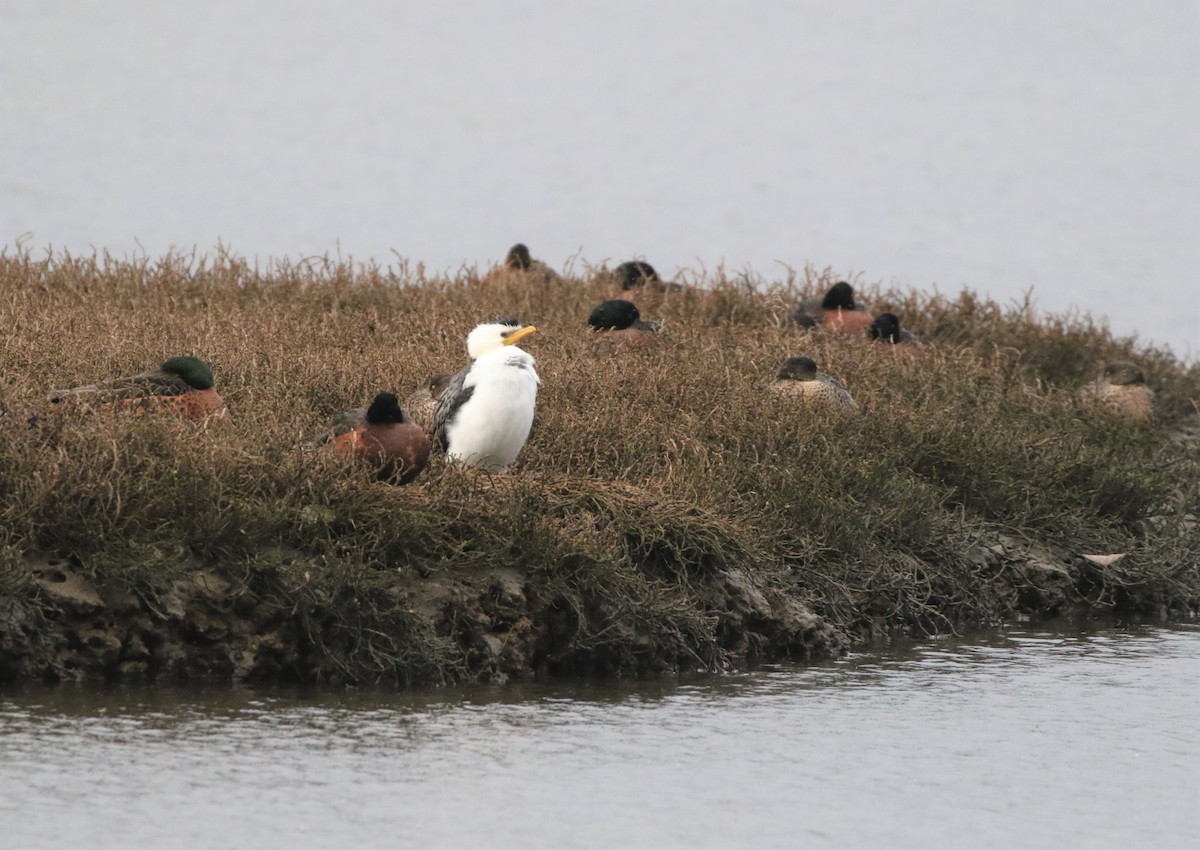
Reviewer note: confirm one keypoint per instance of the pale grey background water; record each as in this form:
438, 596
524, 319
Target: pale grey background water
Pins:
1006, 146
1029, 740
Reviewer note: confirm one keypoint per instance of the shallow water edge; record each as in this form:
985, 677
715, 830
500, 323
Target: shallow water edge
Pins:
1003, 738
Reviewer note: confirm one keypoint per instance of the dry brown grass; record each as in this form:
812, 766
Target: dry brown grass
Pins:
644, 468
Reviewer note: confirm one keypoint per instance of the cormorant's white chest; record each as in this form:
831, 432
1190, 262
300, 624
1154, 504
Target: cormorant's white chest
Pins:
491, 426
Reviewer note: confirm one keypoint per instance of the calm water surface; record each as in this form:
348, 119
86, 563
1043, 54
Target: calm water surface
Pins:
1029, 739
1006, 146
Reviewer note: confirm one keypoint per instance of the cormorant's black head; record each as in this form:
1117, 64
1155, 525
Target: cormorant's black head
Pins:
886, 328
841, 294
193, 370
518, 257
385, 410
798, 369
635, 273
614, 316
1122, 372
511, 321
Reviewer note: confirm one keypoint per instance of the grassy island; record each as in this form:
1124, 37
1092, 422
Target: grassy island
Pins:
666, 513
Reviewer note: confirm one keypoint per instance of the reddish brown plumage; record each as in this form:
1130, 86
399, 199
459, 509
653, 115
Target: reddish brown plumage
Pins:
837, 310
196, 404
384, 437
846, 321
396, 448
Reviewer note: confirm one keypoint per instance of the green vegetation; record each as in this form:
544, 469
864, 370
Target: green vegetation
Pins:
665, 514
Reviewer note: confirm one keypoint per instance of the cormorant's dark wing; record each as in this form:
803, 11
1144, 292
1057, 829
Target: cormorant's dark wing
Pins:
452, 398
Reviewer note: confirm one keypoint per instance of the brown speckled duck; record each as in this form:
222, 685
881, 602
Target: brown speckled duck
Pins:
422, 403
1121, 391
636, 277
520, 266
799, 379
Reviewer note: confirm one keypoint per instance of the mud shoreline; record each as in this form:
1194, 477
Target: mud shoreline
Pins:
491, 626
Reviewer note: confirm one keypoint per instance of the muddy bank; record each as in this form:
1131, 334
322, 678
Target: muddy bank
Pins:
275, 624
493, 626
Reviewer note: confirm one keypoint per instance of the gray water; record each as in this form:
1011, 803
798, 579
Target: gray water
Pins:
1010, 147
1026, 739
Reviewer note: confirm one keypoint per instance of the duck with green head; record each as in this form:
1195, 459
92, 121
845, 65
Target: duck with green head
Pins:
181, 385
620, 322
886, 329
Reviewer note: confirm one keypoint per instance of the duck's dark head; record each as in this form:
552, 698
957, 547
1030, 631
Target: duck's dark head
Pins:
194, 371
840, 295
886, 328
385, 410
1120, 372
635, 274
614, 315
798, 369
518, 257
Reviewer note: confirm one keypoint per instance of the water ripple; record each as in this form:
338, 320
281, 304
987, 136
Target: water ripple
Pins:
938, 740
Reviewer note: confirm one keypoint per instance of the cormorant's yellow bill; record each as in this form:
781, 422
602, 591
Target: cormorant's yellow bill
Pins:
513, 337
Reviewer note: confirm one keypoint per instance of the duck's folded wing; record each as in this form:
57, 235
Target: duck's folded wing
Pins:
135, 386
343, 423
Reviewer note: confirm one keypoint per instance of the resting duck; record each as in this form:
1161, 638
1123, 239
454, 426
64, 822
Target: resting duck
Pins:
382, 436
619, 322
1121, 391
887, 330
799, 379
422, 404
836, 310
637, 277
519, 265
181, 385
